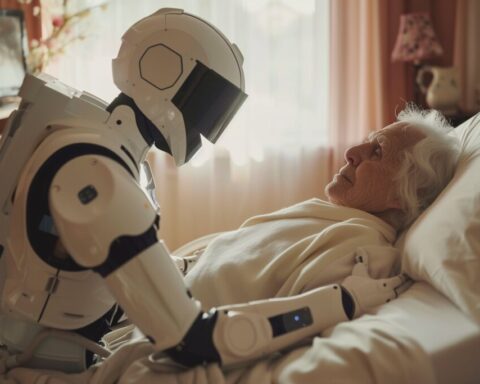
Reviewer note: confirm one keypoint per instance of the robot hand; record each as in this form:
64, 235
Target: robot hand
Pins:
366, 292
186, 263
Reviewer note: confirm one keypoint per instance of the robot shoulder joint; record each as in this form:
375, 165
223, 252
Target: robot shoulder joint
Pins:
94, 202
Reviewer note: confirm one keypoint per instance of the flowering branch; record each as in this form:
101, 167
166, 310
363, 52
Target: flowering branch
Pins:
61, 33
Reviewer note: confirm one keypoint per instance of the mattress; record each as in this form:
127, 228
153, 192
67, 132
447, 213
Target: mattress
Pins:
449, 337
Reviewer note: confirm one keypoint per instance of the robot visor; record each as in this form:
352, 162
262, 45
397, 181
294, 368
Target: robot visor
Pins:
207, 102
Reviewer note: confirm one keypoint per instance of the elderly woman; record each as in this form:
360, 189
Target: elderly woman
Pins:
399, 170
386, 182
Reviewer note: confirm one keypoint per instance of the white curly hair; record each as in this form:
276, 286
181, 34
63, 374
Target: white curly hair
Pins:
428, 166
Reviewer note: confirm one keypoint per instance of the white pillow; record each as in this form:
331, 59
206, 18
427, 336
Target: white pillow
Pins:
442, 247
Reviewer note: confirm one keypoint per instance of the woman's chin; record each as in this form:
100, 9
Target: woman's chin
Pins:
332, 191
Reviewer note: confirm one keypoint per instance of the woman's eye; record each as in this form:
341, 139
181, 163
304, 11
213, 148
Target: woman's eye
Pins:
377, 151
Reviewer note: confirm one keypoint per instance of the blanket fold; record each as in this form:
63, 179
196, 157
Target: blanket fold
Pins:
290, 251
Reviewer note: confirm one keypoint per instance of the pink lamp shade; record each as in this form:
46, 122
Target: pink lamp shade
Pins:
416, 40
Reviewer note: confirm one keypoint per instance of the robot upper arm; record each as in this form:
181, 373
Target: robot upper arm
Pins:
95, 203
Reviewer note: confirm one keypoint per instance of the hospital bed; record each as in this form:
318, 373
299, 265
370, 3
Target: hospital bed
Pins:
440, 313
449, 338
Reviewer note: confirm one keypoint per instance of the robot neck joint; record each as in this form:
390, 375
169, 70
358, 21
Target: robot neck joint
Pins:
147, 129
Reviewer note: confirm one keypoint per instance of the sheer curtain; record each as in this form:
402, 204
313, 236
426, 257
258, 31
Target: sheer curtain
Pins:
358, 90
276, 150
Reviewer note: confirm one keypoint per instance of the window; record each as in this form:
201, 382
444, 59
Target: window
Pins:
285, 46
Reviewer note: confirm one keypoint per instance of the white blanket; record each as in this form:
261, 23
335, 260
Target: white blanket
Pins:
285, 253
291, 251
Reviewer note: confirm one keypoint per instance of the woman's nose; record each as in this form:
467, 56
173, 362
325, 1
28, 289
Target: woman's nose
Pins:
352, 156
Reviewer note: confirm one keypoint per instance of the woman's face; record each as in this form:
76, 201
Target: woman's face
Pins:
366, 181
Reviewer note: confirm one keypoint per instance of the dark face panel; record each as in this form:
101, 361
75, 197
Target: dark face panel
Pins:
207, 102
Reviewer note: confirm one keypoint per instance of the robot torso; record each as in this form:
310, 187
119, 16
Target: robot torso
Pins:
42, 282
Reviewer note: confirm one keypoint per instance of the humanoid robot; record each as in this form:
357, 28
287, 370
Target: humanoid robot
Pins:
78, 232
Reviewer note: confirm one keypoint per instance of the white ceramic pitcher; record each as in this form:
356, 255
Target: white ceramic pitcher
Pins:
443, 92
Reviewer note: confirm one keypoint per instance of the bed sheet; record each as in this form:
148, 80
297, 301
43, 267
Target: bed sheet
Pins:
418, 338
375, 349
447, 335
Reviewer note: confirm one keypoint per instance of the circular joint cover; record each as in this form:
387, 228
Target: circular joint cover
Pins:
241, 335
161, 66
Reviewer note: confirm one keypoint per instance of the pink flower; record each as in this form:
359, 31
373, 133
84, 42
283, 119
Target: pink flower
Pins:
57, 21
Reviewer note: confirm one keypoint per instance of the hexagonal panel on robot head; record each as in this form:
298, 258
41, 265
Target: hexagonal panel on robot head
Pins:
161, 66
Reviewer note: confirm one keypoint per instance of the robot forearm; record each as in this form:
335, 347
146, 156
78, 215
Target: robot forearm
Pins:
151, 291
256, 329
238, 333
248, 331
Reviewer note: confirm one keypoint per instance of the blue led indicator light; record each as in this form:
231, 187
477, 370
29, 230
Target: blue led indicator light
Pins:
296, 318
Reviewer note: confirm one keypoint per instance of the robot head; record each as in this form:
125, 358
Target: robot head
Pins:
185, 77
